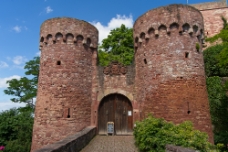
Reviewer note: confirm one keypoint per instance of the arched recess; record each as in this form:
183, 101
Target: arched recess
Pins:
115, 108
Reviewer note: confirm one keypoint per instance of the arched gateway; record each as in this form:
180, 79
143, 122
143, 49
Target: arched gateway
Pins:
118, 109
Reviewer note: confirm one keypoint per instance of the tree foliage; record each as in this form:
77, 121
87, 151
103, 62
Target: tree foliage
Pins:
118, 46
25, 89
212, 61
216, 66
218, 109
16, 130
223, 35
153, 134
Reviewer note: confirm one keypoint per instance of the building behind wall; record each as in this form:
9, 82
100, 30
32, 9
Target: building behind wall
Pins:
166, 79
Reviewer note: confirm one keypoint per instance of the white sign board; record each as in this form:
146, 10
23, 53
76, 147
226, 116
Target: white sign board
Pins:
129, 113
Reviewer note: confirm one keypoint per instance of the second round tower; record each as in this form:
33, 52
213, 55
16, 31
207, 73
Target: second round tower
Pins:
170, 78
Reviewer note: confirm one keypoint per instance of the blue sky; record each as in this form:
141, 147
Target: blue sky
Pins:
20, 21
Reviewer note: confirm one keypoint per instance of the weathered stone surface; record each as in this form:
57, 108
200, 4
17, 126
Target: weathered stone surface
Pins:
172, 148
170, 76
73, 143
212, 13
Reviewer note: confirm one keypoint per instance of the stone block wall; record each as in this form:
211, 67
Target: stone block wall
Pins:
212, 13
63, 104
170, 79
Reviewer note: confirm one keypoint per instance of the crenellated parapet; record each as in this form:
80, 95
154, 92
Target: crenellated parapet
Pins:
166, 21
68, 31
155, 31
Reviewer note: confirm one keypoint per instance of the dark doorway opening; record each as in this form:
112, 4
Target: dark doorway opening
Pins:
118, 109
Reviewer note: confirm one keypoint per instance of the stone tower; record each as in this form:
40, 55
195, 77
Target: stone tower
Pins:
170, 78
68, 56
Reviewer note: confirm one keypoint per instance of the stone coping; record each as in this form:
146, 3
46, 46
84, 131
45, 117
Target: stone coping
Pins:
73, 143
172, 148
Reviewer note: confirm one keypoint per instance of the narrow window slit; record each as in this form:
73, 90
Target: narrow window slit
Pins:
145, 61
188, 108
68, 115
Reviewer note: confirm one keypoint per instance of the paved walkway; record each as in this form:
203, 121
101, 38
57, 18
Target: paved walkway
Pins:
111, 144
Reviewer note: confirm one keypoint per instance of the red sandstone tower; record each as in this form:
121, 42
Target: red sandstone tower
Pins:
170, 78
68, 56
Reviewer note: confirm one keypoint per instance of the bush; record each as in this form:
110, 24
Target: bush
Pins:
152, 134
16, 130
212, 61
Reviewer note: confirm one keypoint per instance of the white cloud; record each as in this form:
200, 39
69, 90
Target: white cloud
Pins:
6, 105
48, 9
3, 64
38, 53
3, 83
17, 29
19, 60
115, 22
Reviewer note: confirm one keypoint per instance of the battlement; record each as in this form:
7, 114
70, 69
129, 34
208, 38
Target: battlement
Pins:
154, 31
168, 20
68, 38
210, 5
68, 31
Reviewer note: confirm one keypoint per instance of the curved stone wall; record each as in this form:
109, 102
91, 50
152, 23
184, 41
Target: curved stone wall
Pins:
170, 78
63, 106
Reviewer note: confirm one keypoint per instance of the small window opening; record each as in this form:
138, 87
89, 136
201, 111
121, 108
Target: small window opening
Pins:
68, 115
58, 63
145, 61
186, 54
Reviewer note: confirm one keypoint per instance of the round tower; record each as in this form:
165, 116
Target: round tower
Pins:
170, 78
63, 106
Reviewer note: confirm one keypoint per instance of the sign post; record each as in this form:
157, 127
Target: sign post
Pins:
110, 128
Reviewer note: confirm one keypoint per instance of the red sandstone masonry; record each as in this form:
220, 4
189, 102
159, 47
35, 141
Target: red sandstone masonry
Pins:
212, 13
170, 78
167, 78
63, 104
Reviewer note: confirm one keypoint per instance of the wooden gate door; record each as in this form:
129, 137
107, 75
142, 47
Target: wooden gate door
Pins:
115, 108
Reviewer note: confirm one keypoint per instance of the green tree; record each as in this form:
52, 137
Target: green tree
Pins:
118, 46
25, 89
216, 66
218, 109
223, 35
16, 130
212, 61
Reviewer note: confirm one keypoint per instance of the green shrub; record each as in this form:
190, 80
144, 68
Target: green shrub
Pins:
16, 130
152, 134
218, 109
212, 61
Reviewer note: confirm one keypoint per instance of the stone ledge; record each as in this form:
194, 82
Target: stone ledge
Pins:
72, 143
172, 148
